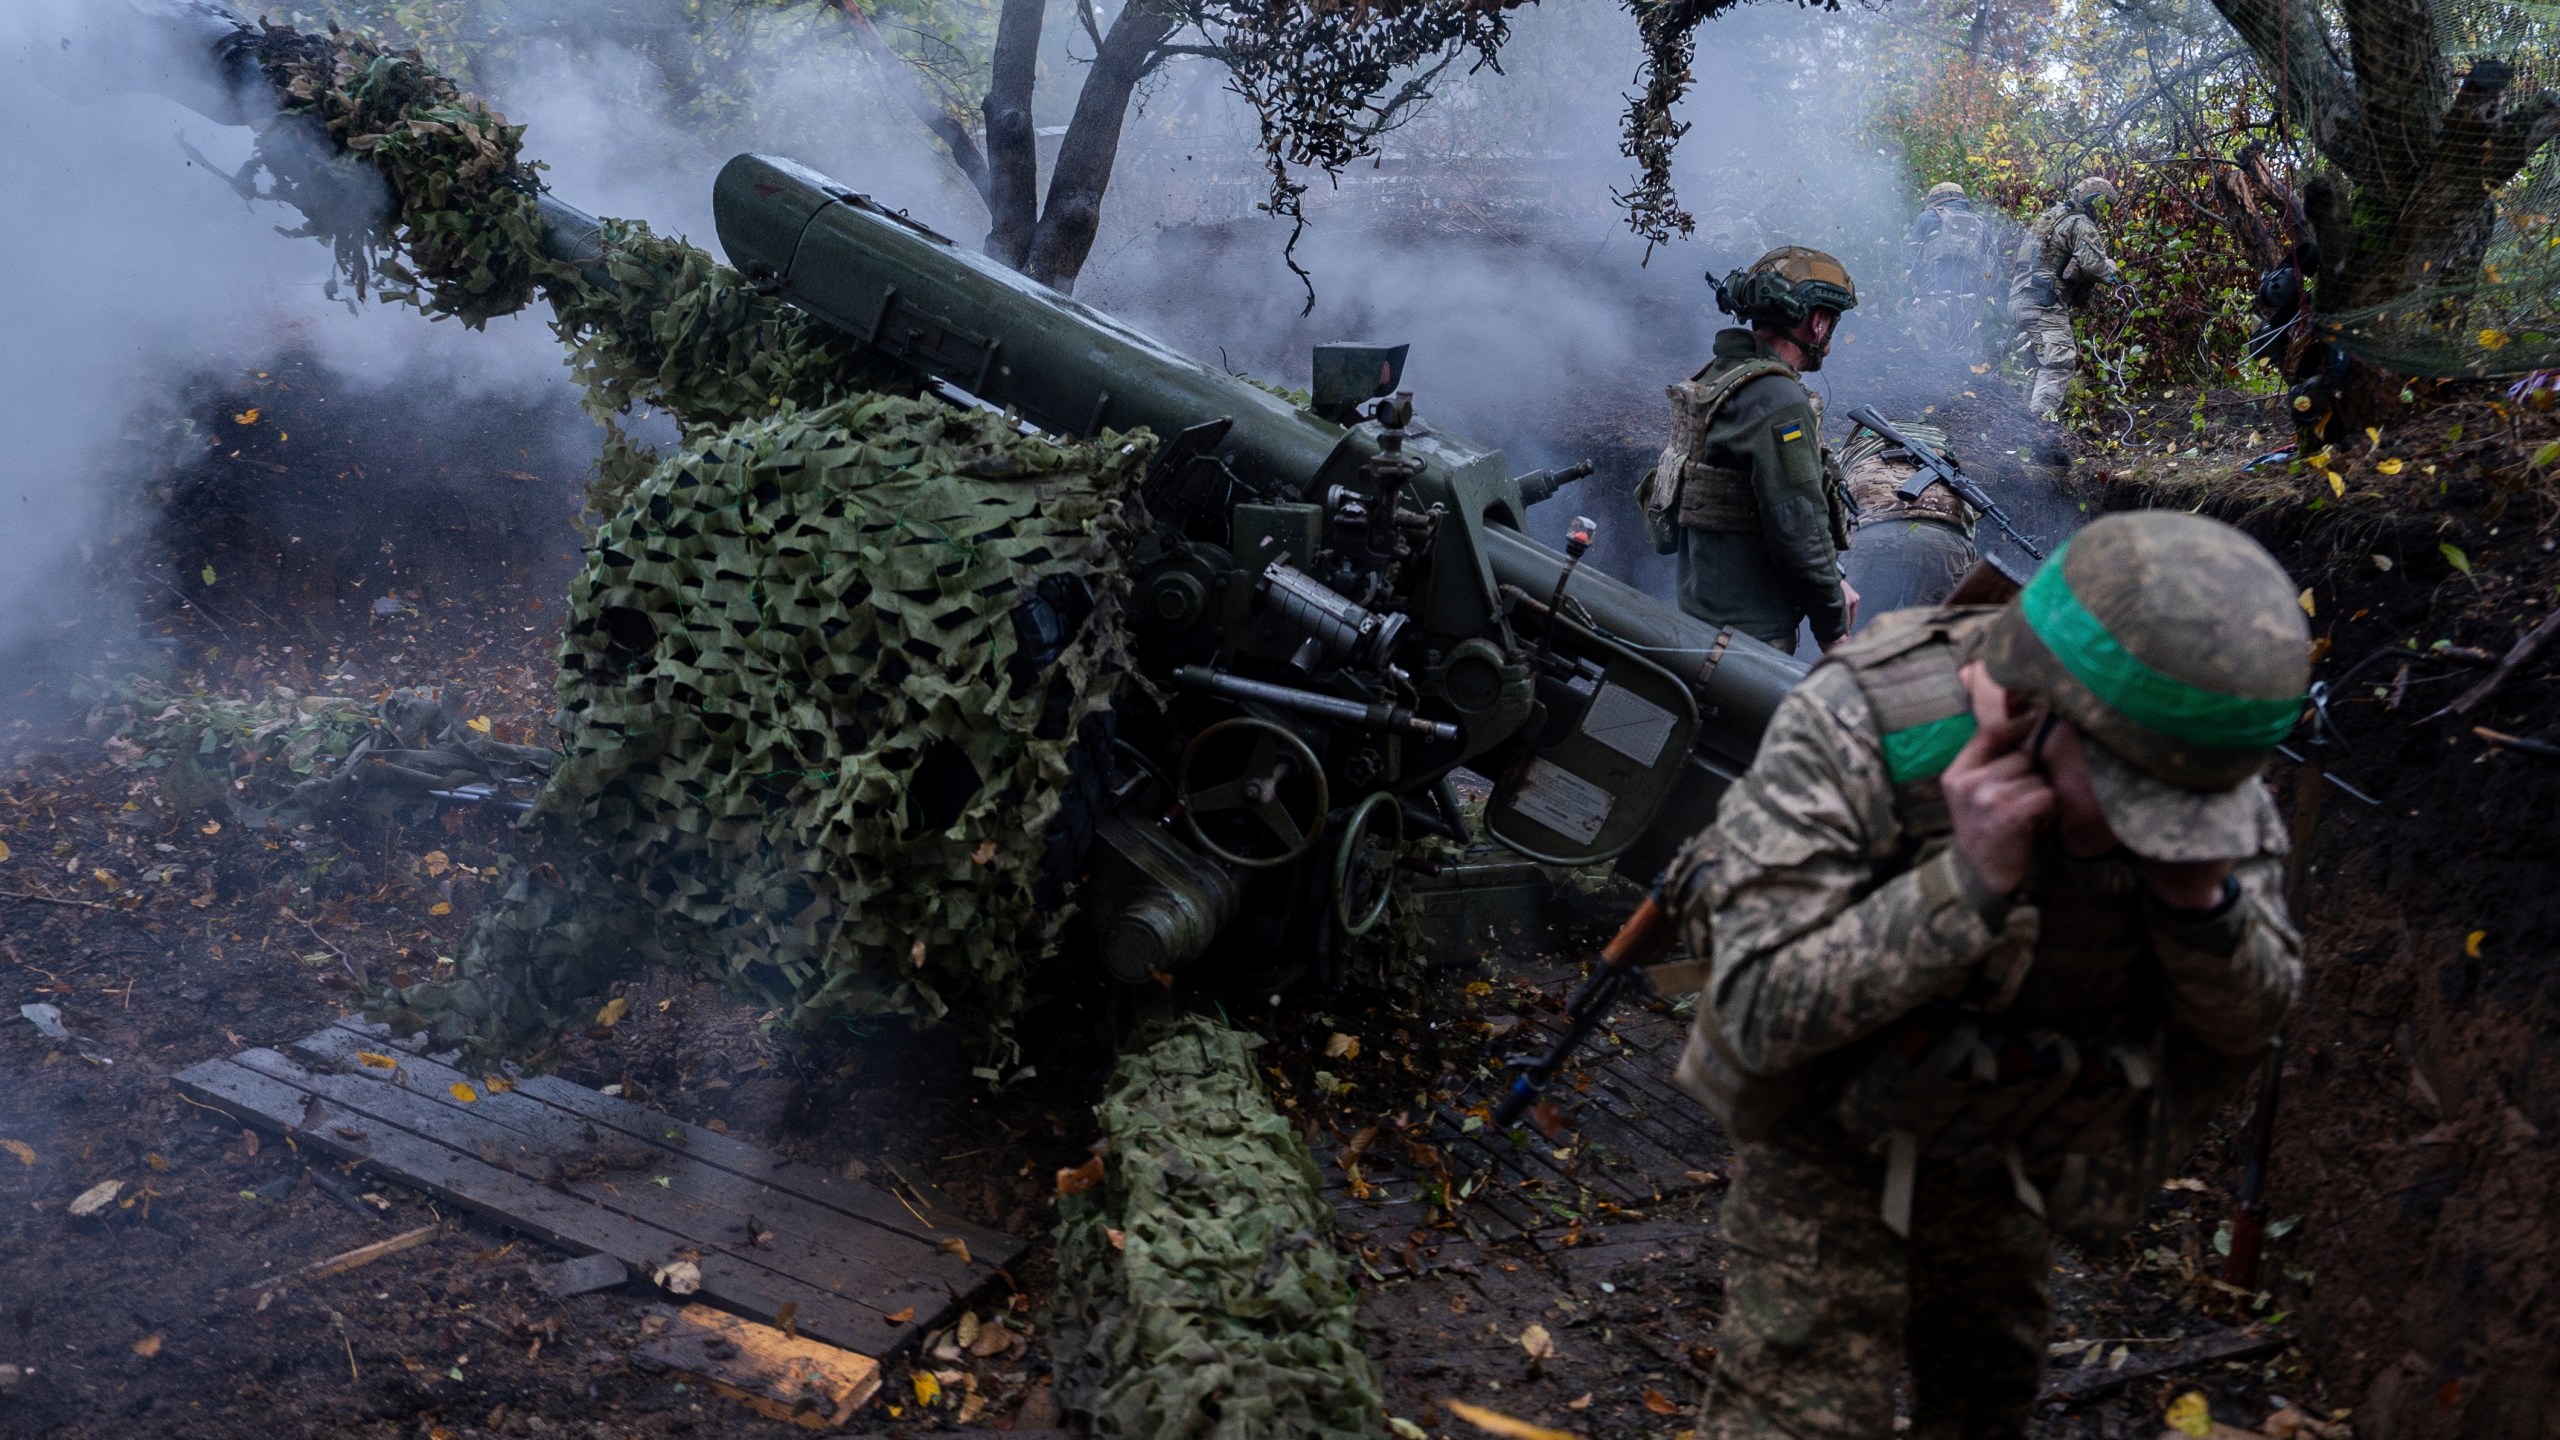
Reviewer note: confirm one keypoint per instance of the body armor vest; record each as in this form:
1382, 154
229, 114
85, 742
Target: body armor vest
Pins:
2049, 1059
1681, 490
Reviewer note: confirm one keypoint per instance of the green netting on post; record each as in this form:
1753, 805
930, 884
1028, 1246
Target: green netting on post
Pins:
1199, 1294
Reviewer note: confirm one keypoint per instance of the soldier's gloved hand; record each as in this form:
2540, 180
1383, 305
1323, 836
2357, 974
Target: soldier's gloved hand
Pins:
1995, 795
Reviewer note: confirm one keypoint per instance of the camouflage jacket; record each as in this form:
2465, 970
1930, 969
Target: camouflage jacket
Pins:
1874, 470
1835, 914
2062, 257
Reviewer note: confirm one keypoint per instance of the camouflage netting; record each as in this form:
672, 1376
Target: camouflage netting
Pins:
1199, 1292
823, 689
806, 746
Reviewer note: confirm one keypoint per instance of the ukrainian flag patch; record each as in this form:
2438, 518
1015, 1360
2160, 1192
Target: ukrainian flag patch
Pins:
1792, 432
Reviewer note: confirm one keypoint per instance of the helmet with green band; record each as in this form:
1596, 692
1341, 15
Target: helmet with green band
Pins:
2177, 644
1783, 287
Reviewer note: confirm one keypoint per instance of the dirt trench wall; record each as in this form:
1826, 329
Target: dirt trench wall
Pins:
2421, 1137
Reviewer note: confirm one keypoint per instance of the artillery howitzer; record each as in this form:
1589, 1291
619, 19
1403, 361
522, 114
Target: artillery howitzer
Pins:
1335, 606
1340, 605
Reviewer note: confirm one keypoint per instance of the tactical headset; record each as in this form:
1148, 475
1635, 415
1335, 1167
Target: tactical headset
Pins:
1768, 294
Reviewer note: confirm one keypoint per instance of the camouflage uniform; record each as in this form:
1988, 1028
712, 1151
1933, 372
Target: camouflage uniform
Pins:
2059, 261
1856, 958
1903, 552
1745, 497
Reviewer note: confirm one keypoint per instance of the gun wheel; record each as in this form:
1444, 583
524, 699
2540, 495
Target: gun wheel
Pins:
1364, 864
1252, 793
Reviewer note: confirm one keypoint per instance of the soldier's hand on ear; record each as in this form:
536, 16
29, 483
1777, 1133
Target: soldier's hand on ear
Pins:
1995, 795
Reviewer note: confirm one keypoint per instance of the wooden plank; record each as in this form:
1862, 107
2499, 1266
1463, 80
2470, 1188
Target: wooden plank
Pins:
885, 1269
854, 1198
883, 1286
556, 1218
784, 1377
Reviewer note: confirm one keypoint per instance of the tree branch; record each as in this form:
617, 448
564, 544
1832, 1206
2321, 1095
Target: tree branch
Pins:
2292, 46
935, 117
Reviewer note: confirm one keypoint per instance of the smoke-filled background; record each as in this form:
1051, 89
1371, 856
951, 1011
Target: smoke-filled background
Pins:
147, 303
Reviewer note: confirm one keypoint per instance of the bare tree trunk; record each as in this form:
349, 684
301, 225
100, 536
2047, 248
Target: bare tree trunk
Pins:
1074, 209
1013, 145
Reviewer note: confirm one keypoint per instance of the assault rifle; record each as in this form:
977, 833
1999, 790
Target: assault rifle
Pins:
1644, 939
1934, 470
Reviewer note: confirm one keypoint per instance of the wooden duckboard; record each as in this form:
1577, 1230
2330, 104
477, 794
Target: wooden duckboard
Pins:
816, 1387
853, 1265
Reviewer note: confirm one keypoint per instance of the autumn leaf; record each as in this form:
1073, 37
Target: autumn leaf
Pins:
2304, 600
2490, 339
1539, 1344
2471, 943
496, 1084
2337, 486
1659, 1403
436, 862
2454, 557
377, 1062
246, 417
1080, 1178
1494, 1422
957, 1246
148, 1345
2390, 467
479, 723
2190, 1415
462, 1092
1342, 1047
613, 1011
4, 851
901, 1317
25, 1152
441, 907
928, 1389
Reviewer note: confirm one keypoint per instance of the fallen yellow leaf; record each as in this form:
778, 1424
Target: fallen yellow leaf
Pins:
462, 1092
2389, 467
375, 1061
928, 1389
441, 907
479, 723
436, 862
246, 417
148, 1345
2373, 433
1494, 1422
2304, 600
901, 1317
2492, 339
1342, 1047
4, 850
959, 1247
210, 827
2189, 1415
2337, 486
2471, 944
496, 1084
613, 1011
1539, 1344
25, 1152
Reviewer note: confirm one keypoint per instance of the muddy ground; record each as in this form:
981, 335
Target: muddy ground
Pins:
165, 941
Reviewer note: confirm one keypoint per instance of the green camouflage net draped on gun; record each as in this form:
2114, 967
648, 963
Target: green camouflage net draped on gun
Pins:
1221, 1308
801, 753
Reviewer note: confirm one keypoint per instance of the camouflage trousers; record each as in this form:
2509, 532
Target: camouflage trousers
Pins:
2046, 331
1824, 1304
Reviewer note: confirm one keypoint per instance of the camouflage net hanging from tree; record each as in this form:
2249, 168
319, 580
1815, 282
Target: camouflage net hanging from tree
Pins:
2435, 203
1200, 1294
807, 748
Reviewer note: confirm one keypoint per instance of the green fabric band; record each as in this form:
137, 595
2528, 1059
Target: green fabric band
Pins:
1924, 750
2128, 685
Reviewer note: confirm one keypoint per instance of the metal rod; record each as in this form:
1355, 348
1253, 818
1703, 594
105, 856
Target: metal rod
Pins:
1308, 702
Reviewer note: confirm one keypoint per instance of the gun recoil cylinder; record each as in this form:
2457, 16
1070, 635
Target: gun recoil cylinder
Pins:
1308, 702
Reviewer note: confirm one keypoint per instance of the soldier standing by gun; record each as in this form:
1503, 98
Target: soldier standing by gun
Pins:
2061, 260
1743, 494
1996, 918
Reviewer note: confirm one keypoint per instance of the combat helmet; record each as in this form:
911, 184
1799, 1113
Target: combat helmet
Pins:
2176, 644
2085, 195
1943, 192
1785, 286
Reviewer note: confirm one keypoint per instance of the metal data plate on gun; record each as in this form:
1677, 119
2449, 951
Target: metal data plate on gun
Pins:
1591, 794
